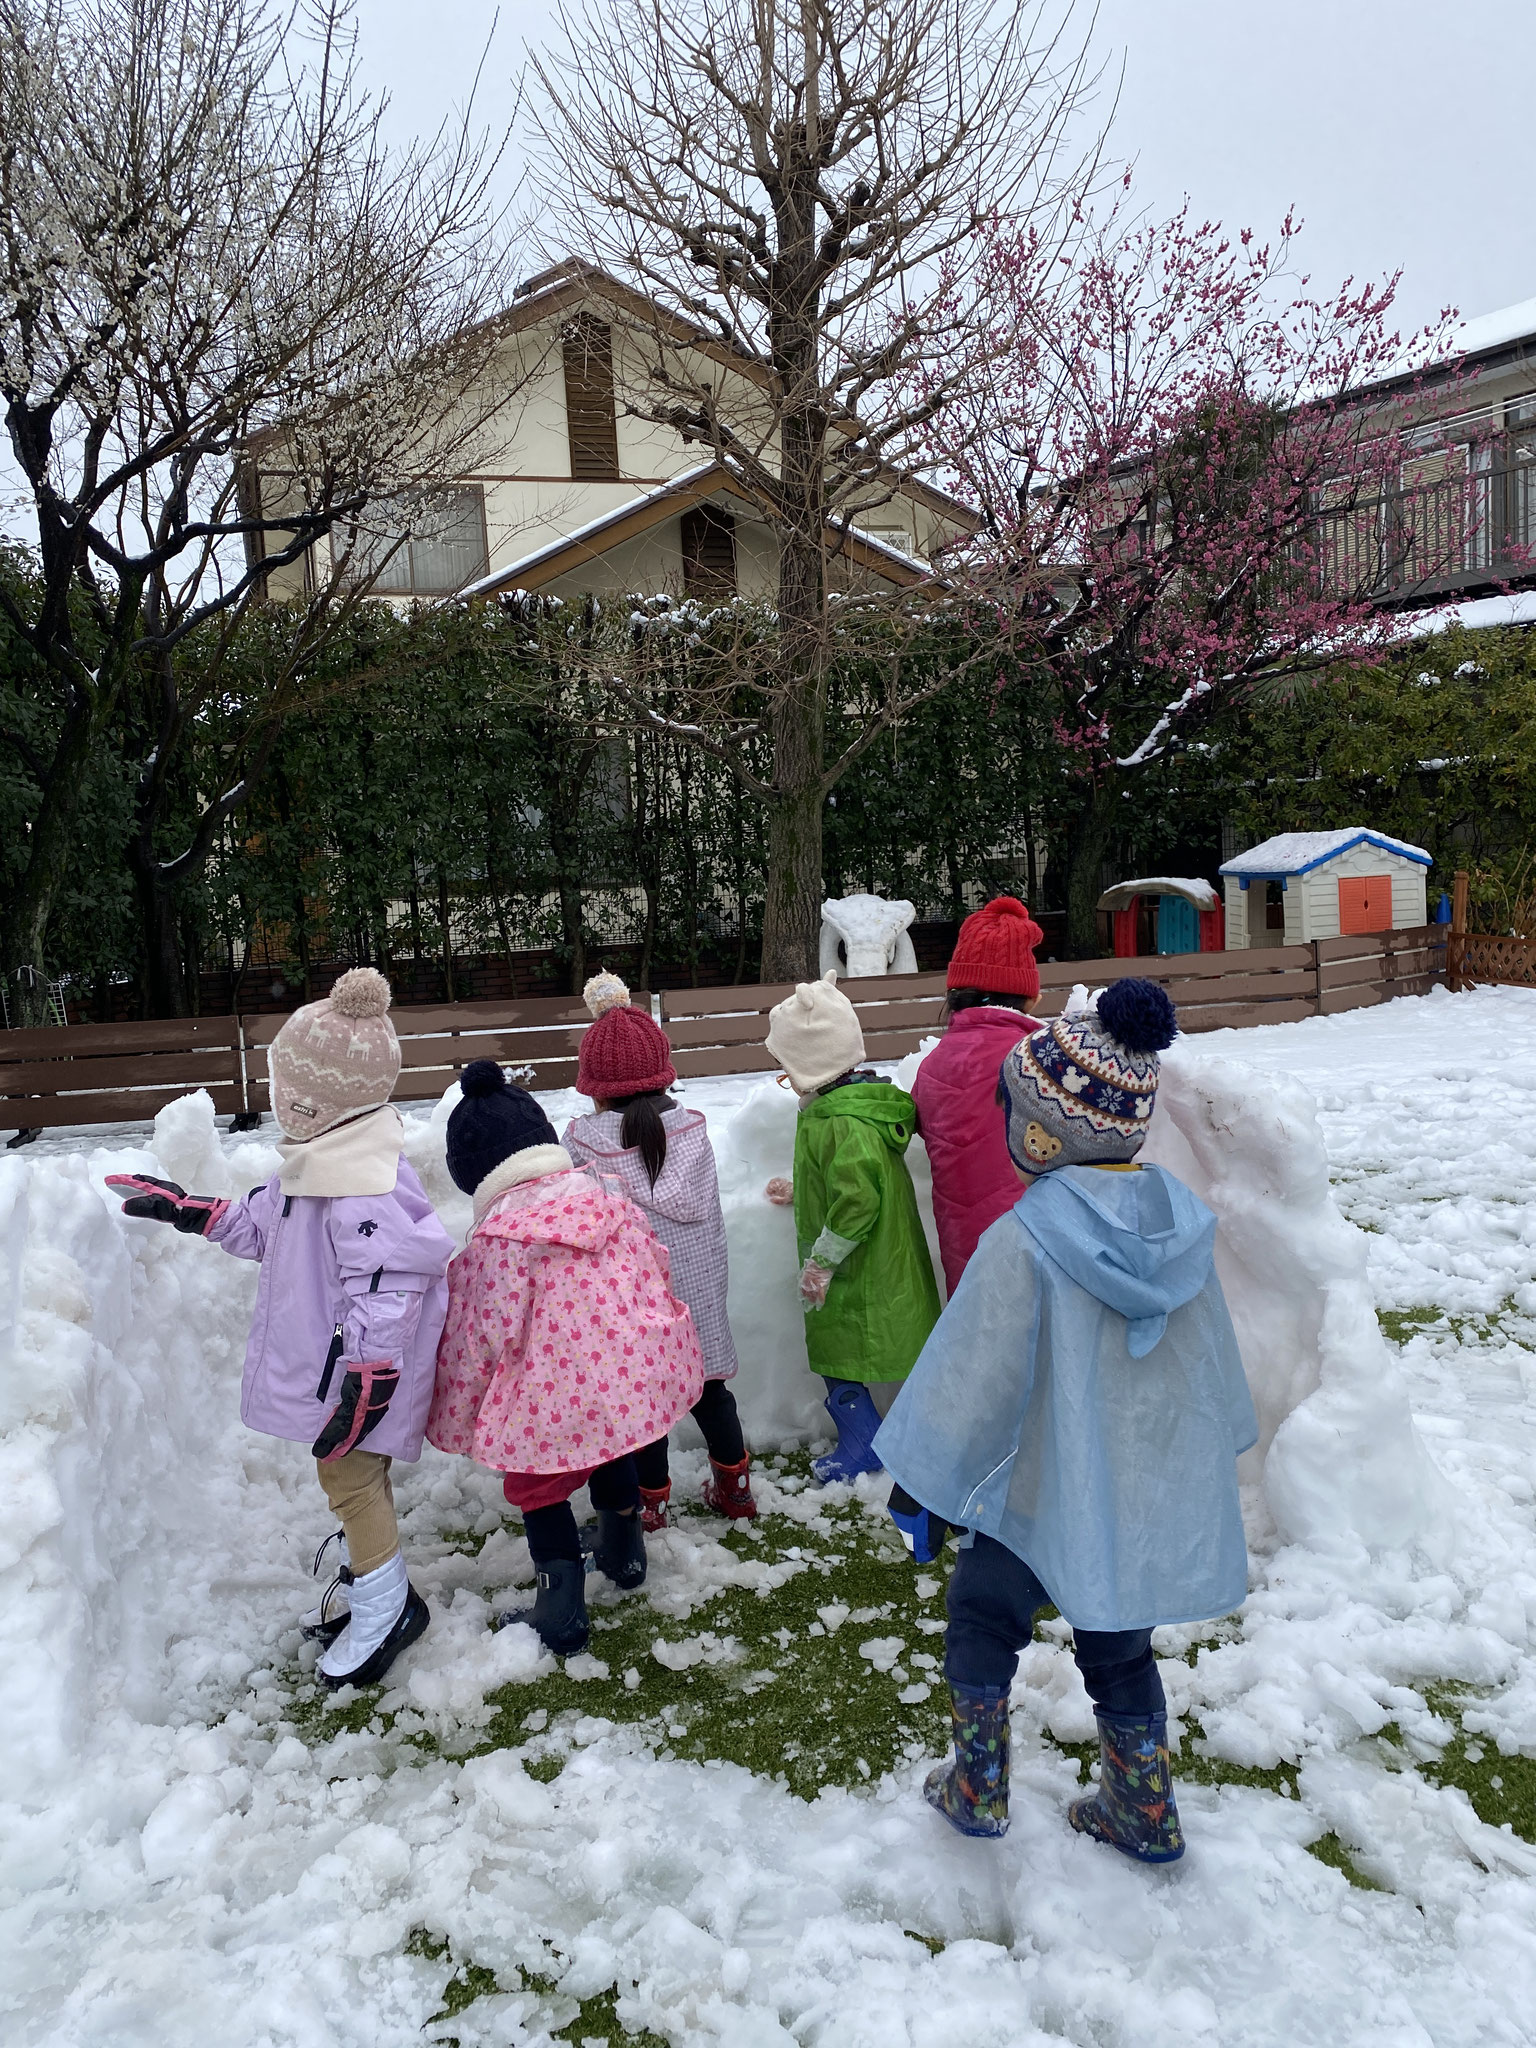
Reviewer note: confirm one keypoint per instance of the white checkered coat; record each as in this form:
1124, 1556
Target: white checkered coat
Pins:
683, 1209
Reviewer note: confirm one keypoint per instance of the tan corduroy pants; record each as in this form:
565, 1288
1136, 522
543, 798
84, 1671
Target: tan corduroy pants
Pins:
363, 1501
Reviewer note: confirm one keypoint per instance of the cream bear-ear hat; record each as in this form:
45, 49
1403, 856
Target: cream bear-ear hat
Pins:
814, 1034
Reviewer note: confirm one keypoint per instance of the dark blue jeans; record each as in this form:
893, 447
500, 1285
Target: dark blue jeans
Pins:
993, 1600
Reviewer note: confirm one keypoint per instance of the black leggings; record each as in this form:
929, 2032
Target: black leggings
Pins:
551, 1531
715, 1413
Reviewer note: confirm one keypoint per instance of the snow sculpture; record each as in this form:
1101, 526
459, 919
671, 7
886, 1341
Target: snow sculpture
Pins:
1338, 1452
873, 934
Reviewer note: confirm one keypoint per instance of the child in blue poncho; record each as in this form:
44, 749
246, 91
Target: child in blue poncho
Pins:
1079, 1409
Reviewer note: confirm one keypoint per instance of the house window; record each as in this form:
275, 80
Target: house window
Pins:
709, 553
444, 550
1365, 904
589, 414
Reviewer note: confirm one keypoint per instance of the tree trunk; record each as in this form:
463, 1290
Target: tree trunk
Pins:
445, 917
1089, 835
165, 987
24, 921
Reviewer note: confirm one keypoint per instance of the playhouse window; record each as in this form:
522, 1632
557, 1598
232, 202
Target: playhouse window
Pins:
1365, 903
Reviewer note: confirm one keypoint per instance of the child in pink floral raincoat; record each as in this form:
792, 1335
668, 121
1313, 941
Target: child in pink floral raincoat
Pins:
564, 1350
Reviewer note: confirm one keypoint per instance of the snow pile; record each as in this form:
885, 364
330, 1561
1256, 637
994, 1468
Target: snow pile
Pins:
178, 1866
1338, 1451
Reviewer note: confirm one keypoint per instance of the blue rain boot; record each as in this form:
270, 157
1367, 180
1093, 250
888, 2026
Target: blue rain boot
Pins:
972, 1792
1133, 1809
923, 1532
856, 1419
559, 1612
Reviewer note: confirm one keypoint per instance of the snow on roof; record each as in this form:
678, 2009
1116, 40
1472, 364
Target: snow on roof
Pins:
1192, 888
1295, 853
1517, 609
1464, 338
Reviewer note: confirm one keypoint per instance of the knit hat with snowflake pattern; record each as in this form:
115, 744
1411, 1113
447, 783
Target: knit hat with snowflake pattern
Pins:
624, 1052
336, 1058
1080, 1091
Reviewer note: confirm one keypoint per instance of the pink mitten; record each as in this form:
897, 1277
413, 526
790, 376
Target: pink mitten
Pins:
162, 1201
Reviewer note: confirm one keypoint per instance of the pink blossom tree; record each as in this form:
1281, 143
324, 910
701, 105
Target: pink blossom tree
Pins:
1190, 490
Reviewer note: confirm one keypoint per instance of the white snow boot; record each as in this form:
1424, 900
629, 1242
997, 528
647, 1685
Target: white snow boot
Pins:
388, 1614
323, 1624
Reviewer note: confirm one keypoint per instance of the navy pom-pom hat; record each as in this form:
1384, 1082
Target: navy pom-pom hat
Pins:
1080, 1092
494, 1120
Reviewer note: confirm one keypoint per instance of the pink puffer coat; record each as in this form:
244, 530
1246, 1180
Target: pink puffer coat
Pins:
962, 1127
564, 1344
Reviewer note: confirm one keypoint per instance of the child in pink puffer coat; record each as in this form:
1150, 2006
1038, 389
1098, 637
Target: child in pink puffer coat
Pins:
661, 1156
992, 976
564, 1349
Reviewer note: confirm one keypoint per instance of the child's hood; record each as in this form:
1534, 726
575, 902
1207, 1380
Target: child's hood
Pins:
682, 1191
572, 1209
881, 1103
1139, 1242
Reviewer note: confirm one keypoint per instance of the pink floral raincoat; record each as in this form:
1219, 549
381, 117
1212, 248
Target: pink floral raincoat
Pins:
564, 1344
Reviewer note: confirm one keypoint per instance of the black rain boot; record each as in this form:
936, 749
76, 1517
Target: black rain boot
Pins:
559, 1611
619, 1551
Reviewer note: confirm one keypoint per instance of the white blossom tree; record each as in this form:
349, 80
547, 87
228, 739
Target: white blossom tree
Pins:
209, 259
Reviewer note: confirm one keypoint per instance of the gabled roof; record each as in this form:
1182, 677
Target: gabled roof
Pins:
1297, 853
574, 551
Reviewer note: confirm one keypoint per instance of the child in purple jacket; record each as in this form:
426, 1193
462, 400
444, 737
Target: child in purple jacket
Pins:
351, 1299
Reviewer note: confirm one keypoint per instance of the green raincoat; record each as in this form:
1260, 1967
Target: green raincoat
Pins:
851, 1181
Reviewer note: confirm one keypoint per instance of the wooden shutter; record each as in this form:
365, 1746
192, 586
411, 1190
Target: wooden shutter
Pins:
709, 553
588, 344
1365, 904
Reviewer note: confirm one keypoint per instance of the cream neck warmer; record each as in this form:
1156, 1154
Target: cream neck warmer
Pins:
359, 1157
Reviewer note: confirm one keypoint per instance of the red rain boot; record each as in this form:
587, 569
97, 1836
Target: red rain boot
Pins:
653, 1507
728, 1490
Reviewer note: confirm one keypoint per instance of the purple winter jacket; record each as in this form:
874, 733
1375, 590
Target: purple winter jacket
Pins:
345, 1279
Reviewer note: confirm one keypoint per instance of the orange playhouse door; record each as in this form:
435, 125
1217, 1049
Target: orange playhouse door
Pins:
1365, 903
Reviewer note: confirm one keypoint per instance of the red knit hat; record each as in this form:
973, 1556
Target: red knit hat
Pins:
624, 1052
996, 950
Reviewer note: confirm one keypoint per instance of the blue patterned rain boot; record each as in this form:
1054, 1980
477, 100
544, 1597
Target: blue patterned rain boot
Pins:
1133, 1809
972, 1792
856, 1418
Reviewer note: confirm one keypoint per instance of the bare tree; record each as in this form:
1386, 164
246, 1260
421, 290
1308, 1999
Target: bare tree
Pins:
800, 184
211, 265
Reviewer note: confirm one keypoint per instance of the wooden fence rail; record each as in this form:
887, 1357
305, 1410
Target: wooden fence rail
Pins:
123, 1073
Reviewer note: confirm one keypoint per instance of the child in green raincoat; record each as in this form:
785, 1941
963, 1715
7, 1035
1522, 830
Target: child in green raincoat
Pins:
866, 1281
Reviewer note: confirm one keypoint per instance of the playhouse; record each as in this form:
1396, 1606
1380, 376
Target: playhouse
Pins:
1163, 914
1324, 885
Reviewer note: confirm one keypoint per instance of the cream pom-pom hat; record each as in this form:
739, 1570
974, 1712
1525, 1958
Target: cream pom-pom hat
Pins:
336, 1058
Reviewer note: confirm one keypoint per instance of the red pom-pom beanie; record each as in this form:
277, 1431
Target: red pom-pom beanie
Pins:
996, 950
624, 1052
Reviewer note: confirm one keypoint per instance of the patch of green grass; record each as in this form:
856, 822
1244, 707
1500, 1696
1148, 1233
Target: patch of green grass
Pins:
779, 1691
599, 2020
596, 2018
1399, 1324
1330, 1850
1501, 1788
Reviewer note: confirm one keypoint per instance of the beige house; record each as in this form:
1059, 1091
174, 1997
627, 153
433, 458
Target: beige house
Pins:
569, 490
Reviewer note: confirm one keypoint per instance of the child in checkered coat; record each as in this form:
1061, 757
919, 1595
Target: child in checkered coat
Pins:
660, 1155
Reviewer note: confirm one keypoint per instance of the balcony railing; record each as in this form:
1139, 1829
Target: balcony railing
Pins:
1457, 533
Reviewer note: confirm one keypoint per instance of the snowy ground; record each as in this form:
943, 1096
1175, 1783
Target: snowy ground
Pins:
710, 1830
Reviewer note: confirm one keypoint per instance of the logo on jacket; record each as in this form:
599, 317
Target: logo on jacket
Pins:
367, 1229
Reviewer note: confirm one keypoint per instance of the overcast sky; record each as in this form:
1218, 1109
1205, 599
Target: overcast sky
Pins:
1402, 131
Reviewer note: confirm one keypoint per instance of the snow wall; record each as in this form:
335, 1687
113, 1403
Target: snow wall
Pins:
121, 1346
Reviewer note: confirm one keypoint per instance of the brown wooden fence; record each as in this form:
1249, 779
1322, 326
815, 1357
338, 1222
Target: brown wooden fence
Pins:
123, 1073
721, 1030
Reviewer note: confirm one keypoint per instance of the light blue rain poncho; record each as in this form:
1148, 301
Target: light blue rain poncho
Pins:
1082, 1401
